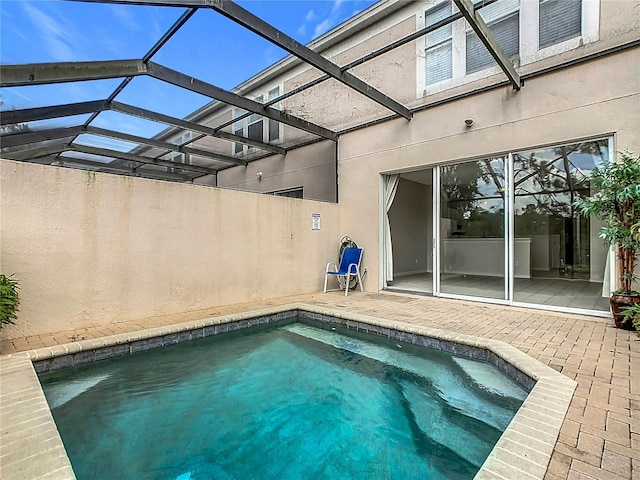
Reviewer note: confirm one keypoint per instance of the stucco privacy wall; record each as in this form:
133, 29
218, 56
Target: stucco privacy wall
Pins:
591, 100
91, 248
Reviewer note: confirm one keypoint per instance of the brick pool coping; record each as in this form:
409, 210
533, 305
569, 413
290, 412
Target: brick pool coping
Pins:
32, 448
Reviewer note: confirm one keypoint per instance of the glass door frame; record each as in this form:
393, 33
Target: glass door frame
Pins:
508, 260
509, 239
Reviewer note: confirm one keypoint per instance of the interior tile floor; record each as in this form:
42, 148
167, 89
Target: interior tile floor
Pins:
536, 291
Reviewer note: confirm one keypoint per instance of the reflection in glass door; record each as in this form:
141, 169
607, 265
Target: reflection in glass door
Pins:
472, 229
566, 265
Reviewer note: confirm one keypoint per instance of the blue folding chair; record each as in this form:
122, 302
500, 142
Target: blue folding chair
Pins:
349, 266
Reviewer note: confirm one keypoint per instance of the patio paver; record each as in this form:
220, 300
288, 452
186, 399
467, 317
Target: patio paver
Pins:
600, 436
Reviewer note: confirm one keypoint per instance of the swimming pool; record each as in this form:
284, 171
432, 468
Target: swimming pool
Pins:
32, 447
288, 402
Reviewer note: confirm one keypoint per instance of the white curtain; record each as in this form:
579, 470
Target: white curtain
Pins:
390, 189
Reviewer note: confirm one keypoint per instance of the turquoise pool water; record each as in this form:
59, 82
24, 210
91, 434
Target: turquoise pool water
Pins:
287, 402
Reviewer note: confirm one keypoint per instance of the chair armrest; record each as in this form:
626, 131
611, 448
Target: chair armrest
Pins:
335, 268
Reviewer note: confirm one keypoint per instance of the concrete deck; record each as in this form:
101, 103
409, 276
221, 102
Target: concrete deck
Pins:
600, 435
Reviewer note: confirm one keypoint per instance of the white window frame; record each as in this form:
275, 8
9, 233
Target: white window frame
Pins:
245, 122
529, 38
426, 47
180, 157
529, 42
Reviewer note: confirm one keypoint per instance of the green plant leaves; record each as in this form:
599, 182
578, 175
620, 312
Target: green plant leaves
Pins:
9, 299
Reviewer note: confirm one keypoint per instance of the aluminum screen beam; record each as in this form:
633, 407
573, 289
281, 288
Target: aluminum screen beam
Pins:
56, 111
152, 51
32, 154
177, 122
45, 73
245, 18
163, 145
40, 136
267, 31
369, 56
72, 162
103, 152
189, 83
480, 27
45, 113
68, 161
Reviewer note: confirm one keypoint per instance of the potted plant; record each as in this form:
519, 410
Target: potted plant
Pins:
9, 300
617, 203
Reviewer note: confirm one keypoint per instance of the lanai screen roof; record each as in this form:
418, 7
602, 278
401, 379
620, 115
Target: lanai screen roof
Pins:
122, 113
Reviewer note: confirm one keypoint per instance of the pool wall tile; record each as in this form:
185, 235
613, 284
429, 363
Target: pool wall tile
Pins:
119, 350
84, 357
170, 338
103, 353
42, 366
61, 362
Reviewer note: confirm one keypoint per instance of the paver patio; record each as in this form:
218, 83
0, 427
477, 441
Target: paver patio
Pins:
600, 437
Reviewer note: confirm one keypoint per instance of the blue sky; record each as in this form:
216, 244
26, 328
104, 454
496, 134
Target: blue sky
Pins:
209, 47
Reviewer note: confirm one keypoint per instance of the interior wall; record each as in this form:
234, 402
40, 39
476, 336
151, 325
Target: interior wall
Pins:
410, 219
93, 248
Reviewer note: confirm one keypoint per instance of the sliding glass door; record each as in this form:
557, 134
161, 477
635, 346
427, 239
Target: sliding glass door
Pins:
504, 229
567, 260
472, 229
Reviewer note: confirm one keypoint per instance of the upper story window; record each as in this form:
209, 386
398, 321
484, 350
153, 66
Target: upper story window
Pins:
177, 157
503, 19
526, 30
257, 127
559, 20
439, 49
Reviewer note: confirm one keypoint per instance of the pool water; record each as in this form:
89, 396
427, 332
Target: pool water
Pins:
286, 402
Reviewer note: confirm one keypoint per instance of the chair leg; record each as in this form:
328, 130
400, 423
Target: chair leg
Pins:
360, 281
346, 287
325, 282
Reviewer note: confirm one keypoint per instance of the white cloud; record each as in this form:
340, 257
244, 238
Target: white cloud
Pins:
124, 16
55, 37
270, 55
336, 5
310, 16
322, 27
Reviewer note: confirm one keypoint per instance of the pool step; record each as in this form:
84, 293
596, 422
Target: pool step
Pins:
457, 391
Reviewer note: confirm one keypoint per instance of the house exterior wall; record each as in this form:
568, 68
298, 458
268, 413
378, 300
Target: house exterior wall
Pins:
91, 248
591, 100
398, 74
312, 167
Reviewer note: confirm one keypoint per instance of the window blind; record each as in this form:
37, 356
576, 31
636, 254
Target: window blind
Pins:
255, 131
507, 34
439, 48
274, 126
560, 20
238, 147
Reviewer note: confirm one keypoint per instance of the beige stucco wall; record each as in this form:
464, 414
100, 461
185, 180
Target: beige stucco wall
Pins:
312, 167
594, 99
92, 248
395, 73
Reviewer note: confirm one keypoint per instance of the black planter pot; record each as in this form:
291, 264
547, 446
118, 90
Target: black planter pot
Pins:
618, 301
